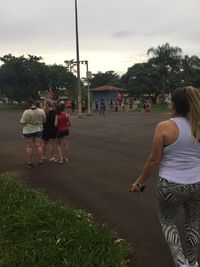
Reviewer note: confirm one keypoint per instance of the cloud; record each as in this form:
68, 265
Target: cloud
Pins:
124, 34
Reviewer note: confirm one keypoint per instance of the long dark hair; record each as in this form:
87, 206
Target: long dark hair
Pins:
180, 102
60, 108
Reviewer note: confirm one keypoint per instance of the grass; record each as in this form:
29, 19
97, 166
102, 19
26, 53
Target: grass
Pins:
10, 106
35, 232
154, 109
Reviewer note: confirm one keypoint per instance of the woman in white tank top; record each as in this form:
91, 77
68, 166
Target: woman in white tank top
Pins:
176, 151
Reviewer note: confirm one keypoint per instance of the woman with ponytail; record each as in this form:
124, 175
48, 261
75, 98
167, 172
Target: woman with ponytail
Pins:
176, 150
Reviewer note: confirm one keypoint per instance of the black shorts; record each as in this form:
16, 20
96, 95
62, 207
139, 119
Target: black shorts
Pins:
46, 135
62, 134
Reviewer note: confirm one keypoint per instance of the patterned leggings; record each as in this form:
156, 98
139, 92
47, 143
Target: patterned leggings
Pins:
171, 197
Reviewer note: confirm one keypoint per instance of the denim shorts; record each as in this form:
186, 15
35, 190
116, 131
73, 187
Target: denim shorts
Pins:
31, 135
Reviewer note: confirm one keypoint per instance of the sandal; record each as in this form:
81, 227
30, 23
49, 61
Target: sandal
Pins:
30, 164
52, 159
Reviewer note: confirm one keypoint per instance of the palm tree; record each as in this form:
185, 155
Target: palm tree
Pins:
188, 66
167, 59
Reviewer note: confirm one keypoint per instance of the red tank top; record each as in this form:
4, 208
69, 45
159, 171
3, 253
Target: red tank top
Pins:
63, 122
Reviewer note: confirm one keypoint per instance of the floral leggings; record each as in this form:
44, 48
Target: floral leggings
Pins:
172, 197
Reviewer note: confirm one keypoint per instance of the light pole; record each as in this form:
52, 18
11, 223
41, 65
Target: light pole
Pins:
88, 87
78, 63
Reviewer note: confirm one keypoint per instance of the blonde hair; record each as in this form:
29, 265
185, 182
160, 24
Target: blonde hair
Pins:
48, 104
193, 97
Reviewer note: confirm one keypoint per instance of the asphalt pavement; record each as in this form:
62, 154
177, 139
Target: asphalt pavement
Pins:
107, 154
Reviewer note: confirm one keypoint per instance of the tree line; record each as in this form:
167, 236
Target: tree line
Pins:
166, 69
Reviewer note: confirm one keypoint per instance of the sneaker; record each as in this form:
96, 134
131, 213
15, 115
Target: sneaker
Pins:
65, 160
188, 265
60, 161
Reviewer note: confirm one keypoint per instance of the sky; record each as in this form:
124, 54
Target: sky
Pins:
113, 35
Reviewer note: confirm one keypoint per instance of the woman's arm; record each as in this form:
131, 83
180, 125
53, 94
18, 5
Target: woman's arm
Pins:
153, 159
69, 119
56, 121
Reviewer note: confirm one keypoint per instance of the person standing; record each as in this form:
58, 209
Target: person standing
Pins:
32, 121
102, 107
50, 131
147, 107
176, 150
63, 123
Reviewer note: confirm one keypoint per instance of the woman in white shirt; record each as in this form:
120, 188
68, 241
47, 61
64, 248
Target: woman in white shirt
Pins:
32, 121
176, 150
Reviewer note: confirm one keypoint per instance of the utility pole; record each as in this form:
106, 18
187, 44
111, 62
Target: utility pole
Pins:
88, 85
70, 65
78, 64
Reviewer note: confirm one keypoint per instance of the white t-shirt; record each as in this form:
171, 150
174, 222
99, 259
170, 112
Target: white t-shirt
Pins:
32, 120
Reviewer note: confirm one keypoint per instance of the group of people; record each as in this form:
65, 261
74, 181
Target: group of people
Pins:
175, 150
44, 130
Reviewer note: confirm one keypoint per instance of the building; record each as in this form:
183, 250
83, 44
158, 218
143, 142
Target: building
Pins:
107, 93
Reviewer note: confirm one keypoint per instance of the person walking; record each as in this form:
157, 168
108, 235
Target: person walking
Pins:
147, 107
102, 107
32, 121
50, 131
176, 150
62, 122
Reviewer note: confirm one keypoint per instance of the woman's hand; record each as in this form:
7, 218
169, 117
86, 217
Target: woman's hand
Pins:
135, 188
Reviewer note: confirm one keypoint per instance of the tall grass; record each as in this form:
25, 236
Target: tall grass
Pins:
35, 232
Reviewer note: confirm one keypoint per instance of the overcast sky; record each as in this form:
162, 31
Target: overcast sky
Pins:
113, 35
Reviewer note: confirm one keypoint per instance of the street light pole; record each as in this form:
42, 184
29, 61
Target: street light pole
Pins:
88, 87
78, 63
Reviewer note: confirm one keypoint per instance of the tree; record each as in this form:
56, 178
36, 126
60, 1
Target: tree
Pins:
167, 59
190, 66
107, 78
141, 79
21, 77
60, 77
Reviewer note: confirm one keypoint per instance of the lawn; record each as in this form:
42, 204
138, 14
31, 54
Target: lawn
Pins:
36, 232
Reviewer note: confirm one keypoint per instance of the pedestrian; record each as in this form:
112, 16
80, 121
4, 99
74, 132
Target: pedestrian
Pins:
69, 105
147, 107
83, 106
176, 150
73, 105
32, 121
49, 130
102, 107
62, 122
96, 106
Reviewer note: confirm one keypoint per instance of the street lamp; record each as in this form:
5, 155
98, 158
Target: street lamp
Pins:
78, 63
88, 77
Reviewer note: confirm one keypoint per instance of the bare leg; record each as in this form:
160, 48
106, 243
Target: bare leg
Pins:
66, 147
29, 150
51, 148
44, 148
38, 147
59, 147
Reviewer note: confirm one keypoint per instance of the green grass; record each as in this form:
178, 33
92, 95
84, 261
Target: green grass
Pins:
10, 106
35, 232
154, 109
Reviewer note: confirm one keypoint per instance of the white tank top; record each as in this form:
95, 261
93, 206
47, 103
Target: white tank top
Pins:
181, 160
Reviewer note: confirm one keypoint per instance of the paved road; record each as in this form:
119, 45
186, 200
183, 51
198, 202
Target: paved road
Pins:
107, 155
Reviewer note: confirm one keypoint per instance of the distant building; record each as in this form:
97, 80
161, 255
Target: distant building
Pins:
108, 93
